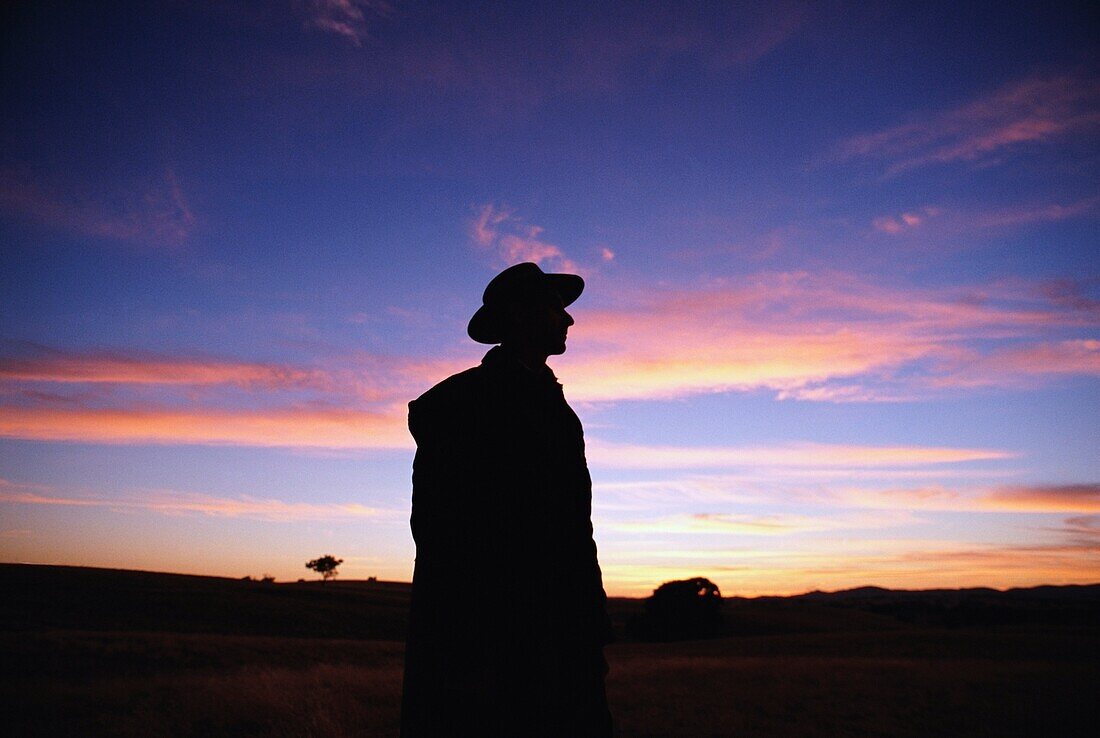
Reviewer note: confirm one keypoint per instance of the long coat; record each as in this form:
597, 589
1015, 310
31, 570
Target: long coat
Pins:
508, 615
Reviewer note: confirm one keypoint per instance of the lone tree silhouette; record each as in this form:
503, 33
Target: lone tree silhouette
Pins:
325, 566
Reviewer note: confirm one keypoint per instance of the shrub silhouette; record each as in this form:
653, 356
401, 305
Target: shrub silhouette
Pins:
686, 609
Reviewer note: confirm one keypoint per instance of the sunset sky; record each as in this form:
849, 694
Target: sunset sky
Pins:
842, 316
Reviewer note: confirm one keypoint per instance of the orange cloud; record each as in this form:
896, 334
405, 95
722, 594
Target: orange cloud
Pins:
290, 427
1073, 498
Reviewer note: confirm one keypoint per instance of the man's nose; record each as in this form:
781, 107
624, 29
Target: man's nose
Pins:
568, 319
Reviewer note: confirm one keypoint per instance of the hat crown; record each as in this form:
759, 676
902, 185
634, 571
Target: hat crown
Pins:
516, 281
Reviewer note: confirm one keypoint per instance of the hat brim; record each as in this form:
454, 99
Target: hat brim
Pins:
486, 327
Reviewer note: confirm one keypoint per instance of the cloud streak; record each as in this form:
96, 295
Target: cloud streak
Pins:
935, 487
33, 363
171, 502
155, 214
290, 427
773, 524
812, 455
1033, 110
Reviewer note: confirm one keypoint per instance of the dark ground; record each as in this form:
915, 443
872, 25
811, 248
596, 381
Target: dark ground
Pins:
88, 652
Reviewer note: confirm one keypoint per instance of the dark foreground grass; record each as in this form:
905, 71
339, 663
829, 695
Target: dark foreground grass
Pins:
919, 683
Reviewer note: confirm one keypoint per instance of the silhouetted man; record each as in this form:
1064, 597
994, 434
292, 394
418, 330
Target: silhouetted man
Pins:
508, 617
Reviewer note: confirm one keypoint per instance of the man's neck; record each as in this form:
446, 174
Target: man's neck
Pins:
533, 359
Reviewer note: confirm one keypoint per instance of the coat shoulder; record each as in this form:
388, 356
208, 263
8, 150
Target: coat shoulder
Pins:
450, 398
454, 388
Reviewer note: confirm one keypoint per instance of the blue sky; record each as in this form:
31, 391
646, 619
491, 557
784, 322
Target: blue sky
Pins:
841, 322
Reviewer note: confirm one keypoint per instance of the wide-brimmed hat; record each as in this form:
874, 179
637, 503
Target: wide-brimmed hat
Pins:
516, 285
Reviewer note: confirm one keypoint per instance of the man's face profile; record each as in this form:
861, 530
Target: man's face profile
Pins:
541, 324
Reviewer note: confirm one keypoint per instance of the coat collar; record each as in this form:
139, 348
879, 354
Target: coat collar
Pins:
502, 359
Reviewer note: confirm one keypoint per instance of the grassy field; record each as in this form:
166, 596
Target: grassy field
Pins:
880, 677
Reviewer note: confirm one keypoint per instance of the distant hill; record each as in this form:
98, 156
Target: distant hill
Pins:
979, 606
37, 598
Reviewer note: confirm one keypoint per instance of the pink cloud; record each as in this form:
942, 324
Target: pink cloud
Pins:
346, 18
45, 365
905, 221
290, 427
1032, 110
511, 240
156, 214
348, 379
356, 402
827, 336
815, 337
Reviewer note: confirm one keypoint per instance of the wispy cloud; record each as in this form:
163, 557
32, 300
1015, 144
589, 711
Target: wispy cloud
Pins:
1033, 110
499, 231
1083, 530
1018, 366
348, 19
153, 214
904, 221
172, 502
1034, 213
